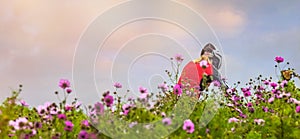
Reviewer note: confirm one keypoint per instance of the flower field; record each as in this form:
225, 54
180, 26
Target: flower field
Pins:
263, 108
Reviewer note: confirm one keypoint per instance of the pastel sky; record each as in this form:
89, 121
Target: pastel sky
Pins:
38, 39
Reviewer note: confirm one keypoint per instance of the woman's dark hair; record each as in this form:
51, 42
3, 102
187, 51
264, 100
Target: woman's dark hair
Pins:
208, 48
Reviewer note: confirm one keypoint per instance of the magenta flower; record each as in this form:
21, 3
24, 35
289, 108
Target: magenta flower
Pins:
109, 100
143, 90
233, 120
188, 126
279, 59
69, 90
85, 123
243, 115
250, 109
64, 83
68, 126
83, 134
247, 93
117, 85
266, 82
249, 104
23, 103
62, 116
265, 109
298, 109
126, 108
273, 84
68, 107
177, 89
167, 121
178, 58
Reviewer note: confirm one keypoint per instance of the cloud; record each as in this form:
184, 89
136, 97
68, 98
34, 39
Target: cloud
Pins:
224, 18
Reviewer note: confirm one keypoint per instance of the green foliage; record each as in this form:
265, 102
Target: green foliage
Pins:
262, 109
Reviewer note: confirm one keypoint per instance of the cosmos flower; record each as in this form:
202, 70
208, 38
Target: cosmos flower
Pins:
109, 100
62, 116
298, 109
279, 59
64, 83
83, 134
188, 126
233, 120
163, 87
177, 89
178, 58
68, 126
143, 90
259, 121
126, 108
117, 85
167, 121
203, 64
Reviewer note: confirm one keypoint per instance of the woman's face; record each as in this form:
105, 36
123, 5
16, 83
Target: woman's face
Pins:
208, 54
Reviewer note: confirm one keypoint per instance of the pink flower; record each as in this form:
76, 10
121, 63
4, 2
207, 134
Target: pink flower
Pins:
203, 64
68, 107
178, 58
126, 108
85, 123
167, 121
177, 89
298, 109
271, 100
188, 126
83, 135
20, 123
279, 59
283, 83
117, 85
69, 90
143, 97
216, 83
99, 108
132, 124
68, 126
247, 93
249, 104
143, 90
265, 109
62, 116
163, 114
23, 103
64, 83
250, 109
266, 82
163, 87
243, 115
274, 85
259, 121
233, 120
109, 100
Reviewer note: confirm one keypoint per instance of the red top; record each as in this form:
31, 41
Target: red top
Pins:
193, 73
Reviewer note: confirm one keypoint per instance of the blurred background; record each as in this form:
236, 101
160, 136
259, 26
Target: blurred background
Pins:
38, 39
